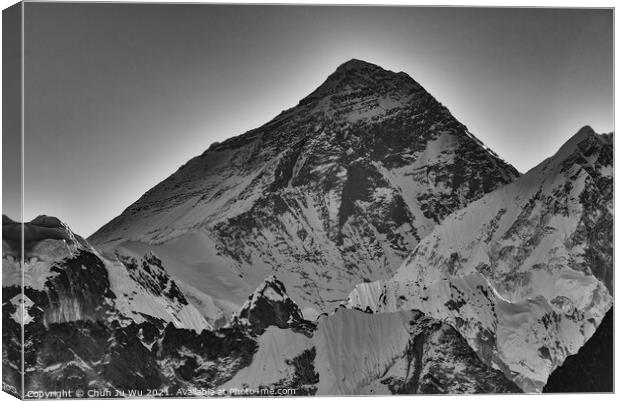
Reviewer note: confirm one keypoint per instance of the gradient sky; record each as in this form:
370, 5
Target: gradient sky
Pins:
119, 96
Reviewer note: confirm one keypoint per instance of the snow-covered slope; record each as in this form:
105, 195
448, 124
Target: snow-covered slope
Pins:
352, 352
80, 283
116, 321
524, 273
469, 278
549, 233
592, 368
270, 305
336, 190
94, 343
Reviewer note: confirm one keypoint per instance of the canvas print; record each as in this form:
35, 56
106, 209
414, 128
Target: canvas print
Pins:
208, 200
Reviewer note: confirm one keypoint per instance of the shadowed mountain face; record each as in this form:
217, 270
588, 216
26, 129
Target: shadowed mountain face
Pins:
122, 324
525, 272
334, 191
484, 281
591, 370
270, 305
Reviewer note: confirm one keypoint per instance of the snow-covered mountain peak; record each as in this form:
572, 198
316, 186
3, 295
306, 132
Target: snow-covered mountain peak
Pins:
358, 81
556, 208
48, 227
47, 221
334, 191
359, 70
44, 237
76, 282
271, 289
583, 133
540, 250
578, 149
357, 64
270, 305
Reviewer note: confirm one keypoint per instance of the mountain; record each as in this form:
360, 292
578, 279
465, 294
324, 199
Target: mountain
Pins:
592, 368
352, 352
525, 273
84, 331
71, 292
270, 305
362, 242
76, 282
336, 190
93, 321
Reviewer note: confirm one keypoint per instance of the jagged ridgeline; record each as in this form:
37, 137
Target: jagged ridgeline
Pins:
526, 272
334, 191
120, 325
361, 242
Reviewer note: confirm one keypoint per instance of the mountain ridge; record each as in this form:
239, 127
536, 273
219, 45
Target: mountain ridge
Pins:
525, 272
95, 343
462, 275
337, 189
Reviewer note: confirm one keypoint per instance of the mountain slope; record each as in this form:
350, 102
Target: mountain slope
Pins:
73, 281
591, 370
350, 352
84, 331
336, 190
105, 323
524, 273
270, 305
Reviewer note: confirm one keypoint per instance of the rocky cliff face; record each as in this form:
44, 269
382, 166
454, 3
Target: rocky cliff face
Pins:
515, 271
96, 322
336, 190
70, 289
270, 305
84, 332
74, 281
592, 368
351, 352
469, 278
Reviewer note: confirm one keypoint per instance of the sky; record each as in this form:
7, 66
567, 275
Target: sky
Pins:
118, 96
